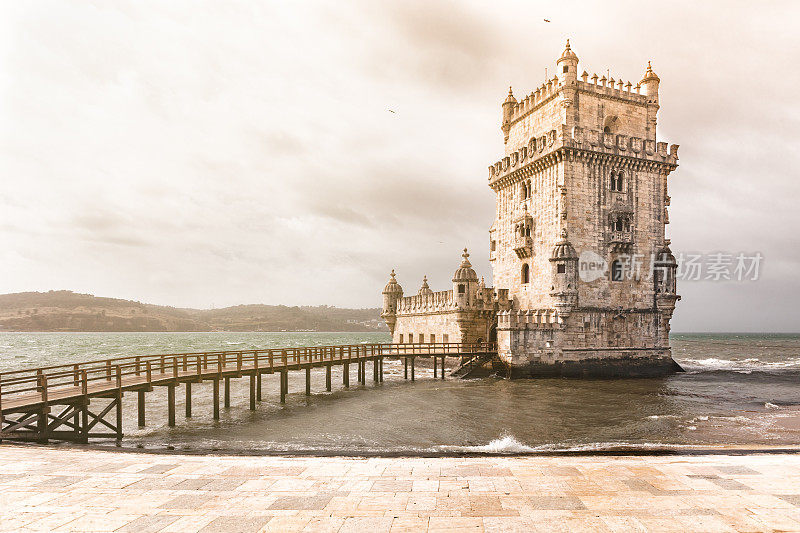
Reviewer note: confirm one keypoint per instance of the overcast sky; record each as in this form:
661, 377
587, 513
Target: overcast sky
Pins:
215, 153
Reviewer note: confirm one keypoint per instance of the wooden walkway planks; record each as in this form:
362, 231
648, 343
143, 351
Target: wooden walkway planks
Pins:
26, 396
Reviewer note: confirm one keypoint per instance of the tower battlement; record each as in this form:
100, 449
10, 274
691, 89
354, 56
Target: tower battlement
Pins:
539, 147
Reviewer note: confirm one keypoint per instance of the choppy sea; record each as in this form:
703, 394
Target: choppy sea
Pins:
738, 389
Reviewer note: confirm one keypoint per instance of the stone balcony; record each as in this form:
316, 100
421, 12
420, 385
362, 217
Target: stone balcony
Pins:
523, 247
620, 241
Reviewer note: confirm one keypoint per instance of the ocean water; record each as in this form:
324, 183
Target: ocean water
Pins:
738, 390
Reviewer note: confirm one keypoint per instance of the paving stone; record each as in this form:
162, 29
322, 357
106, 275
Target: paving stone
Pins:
236, 524
148, 524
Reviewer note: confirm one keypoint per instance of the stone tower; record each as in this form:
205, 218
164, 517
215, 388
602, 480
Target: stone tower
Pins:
579, 234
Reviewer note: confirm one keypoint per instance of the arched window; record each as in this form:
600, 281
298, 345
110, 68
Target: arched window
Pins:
616, 181
607, 130
616, 270
526, 273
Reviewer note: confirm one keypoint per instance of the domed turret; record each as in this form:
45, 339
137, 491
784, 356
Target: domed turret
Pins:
465, 283
425, 290
650, 83
392, 287
464, 271
564, 289
392, 292
508, 110
664, 272
569, 66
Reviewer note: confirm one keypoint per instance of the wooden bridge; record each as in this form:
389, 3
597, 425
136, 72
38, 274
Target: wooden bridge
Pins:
54, 402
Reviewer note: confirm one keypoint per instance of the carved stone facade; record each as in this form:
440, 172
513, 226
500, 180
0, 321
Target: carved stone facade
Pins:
578, 242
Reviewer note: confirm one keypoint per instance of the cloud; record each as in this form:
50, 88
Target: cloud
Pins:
192, 154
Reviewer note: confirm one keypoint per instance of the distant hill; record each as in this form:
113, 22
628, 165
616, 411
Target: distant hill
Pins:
69, 311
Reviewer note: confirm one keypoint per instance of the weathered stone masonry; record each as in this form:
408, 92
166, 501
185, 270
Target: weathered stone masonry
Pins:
583, 176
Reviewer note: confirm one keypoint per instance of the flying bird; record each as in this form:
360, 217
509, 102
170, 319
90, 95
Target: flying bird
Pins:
546, 20
391, 111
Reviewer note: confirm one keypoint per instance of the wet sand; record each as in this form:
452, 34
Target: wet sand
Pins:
70, 489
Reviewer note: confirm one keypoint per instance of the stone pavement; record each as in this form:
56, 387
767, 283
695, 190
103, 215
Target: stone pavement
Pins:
69, 489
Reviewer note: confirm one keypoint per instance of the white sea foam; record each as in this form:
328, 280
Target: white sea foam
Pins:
743, 366
506, 444
769, 405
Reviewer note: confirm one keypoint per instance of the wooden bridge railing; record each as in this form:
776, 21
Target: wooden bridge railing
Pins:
117, 372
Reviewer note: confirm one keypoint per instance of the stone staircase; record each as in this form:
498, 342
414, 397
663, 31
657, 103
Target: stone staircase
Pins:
472, 365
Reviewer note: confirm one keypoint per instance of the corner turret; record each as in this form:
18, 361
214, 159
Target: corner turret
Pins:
568, 63
392, 292
650, 84
465, 283
508, 110
564, 288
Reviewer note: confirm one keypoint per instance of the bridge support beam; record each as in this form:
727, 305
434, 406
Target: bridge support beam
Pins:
227, 393
258, 387
328, 378
381, 370
405, 367
308, 381
215, 397
412, 368
375, 364
41, 425
119, 414
188, 399
141, 408
171, 405
252, 392
435, 366
346, 375
442, 368
284, 385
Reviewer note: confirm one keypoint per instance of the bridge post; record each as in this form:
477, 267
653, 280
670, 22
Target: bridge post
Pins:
171, 405
284, 385
85, 406
188, 399
119, 403
141, 408
375, 364
380, 377
308, 381
412, 368
215, 398
227, 393
346, 375
252, 392
435, 366
442, 368
258, 377
328, 377
405, 367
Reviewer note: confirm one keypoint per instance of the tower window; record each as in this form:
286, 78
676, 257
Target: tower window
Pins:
461, 289
616, 181
566, 69
493, 246
616, 270
561, 269
401, 338
526, 273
